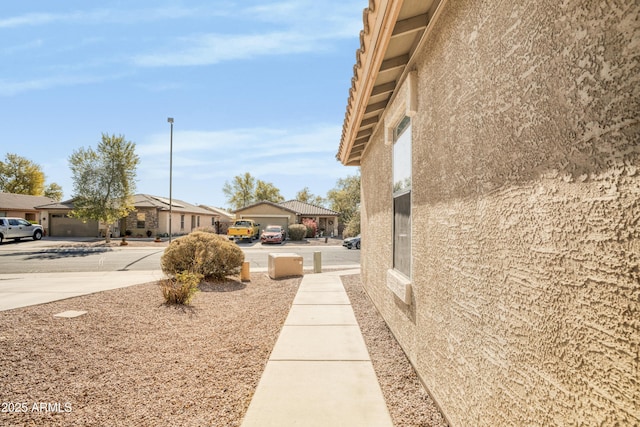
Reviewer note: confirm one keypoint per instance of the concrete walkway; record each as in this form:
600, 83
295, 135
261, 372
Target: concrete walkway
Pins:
25, 289
319, 372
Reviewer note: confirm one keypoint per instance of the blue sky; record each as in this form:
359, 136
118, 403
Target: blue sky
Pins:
253, 86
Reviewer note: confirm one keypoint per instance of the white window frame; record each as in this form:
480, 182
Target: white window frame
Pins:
403, 105
401, 191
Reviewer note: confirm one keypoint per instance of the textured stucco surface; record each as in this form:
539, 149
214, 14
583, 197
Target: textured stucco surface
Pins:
526, 209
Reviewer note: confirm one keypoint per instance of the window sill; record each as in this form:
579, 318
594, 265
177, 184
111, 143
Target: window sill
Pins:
400, 285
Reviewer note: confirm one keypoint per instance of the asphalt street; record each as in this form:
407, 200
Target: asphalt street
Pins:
36, 272
44, 257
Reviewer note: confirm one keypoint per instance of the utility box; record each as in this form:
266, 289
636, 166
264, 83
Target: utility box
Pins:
284, 265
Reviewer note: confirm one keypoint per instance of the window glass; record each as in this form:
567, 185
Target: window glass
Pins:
402, 157
141, 219
402, 197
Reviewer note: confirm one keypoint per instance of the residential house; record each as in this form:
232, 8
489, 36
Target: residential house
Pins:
221, 218
154, 215
150, 217
22, 206
499, 148
58, 222
291, 212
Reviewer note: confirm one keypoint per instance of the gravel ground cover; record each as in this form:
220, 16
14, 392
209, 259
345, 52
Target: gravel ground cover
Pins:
132, 361
408, 402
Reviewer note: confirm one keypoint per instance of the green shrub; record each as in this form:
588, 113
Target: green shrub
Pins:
208, 254
181, 288
297, 231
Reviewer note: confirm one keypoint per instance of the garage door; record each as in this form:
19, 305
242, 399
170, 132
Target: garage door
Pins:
64, 226
272, 220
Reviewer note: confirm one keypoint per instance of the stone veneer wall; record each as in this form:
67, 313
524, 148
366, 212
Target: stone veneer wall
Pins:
151, 221
526, 214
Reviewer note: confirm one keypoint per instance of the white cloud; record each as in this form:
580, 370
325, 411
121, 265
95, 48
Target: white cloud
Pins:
326, 19
214, 48
30, 19
34, 44
292, 27
10, 88
108, 16
258, 142
217, 155
301, 27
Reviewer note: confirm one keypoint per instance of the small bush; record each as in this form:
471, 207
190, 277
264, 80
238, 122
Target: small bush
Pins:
208, 254
297, 231
181, 288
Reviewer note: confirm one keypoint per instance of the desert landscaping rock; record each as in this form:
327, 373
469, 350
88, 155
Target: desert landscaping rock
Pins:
408, 402
131, 360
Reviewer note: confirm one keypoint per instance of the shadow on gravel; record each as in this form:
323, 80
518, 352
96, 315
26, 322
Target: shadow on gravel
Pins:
186, 309
226, 286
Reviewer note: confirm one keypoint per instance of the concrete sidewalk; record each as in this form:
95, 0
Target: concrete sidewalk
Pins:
319, 372
22, 290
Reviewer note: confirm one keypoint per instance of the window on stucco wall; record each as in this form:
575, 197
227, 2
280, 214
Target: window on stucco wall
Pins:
402, 197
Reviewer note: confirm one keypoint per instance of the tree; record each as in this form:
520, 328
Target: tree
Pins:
104, 180
266, 191
21, 176
345, 198
241, 191
306, 196
53, 191
245, 190
352, 227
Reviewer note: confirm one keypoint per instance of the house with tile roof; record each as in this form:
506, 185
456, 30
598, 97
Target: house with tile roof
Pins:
222, 218
150, 218
291, 212
23, 206
58, 222
499, 150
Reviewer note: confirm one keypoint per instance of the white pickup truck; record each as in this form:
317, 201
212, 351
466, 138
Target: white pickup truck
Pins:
17, 228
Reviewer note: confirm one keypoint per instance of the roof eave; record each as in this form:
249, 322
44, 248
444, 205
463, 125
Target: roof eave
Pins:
379, 20
399, 29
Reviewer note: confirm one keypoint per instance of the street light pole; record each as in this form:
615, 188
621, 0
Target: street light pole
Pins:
170, 120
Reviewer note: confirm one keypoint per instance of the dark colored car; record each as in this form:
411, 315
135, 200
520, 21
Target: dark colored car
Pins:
352, 242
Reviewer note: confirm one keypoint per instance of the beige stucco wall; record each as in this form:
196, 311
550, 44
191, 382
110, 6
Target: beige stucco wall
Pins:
265, 209
526, 192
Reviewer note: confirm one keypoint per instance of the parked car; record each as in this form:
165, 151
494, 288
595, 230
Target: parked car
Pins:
352, 242
17, 228
272, 234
